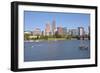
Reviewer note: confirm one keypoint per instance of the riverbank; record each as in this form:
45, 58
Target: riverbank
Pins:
49, 39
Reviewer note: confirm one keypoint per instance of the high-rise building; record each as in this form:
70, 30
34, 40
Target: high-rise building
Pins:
53, 27
74, 32
37, 31
69, 32
64, 30
47, 29
43, 33
59, 31
81, 31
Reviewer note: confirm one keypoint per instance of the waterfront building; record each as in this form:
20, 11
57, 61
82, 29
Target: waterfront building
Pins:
59, 30
37, 32
64, 30
28, 32
43, 33
53, 27
74, 32
69, 32
47, 29
81, 31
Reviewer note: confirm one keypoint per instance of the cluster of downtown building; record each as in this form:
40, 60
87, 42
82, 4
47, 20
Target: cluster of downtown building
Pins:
58, 32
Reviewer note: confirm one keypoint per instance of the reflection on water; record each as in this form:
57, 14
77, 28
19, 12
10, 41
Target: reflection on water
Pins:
55, 50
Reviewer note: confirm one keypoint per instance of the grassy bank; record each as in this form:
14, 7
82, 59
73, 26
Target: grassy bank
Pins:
57, 39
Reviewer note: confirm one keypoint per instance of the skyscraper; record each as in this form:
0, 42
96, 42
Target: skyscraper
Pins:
64, 30
43, 33
47, 29
69, 32
59, 30
81, 31
53, 27
74, 32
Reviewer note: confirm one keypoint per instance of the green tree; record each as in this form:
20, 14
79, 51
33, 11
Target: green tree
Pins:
26, 36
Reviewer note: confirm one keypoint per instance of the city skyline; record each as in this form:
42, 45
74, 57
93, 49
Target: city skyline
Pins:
39, 20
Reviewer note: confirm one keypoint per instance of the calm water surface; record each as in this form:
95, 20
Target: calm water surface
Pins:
55, 50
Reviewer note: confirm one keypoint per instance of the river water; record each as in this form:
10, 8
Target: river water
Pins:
55, 50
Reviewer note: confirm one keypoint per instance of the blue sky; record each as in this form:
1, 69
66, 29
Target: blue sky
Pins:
34, 20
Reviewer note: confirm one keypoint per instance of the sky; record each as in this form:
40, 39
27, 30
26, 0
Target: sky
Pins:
33, 19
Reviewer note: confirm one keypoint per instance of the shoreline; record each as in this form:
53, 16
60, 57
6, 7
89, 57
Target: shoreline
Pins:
49, 40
